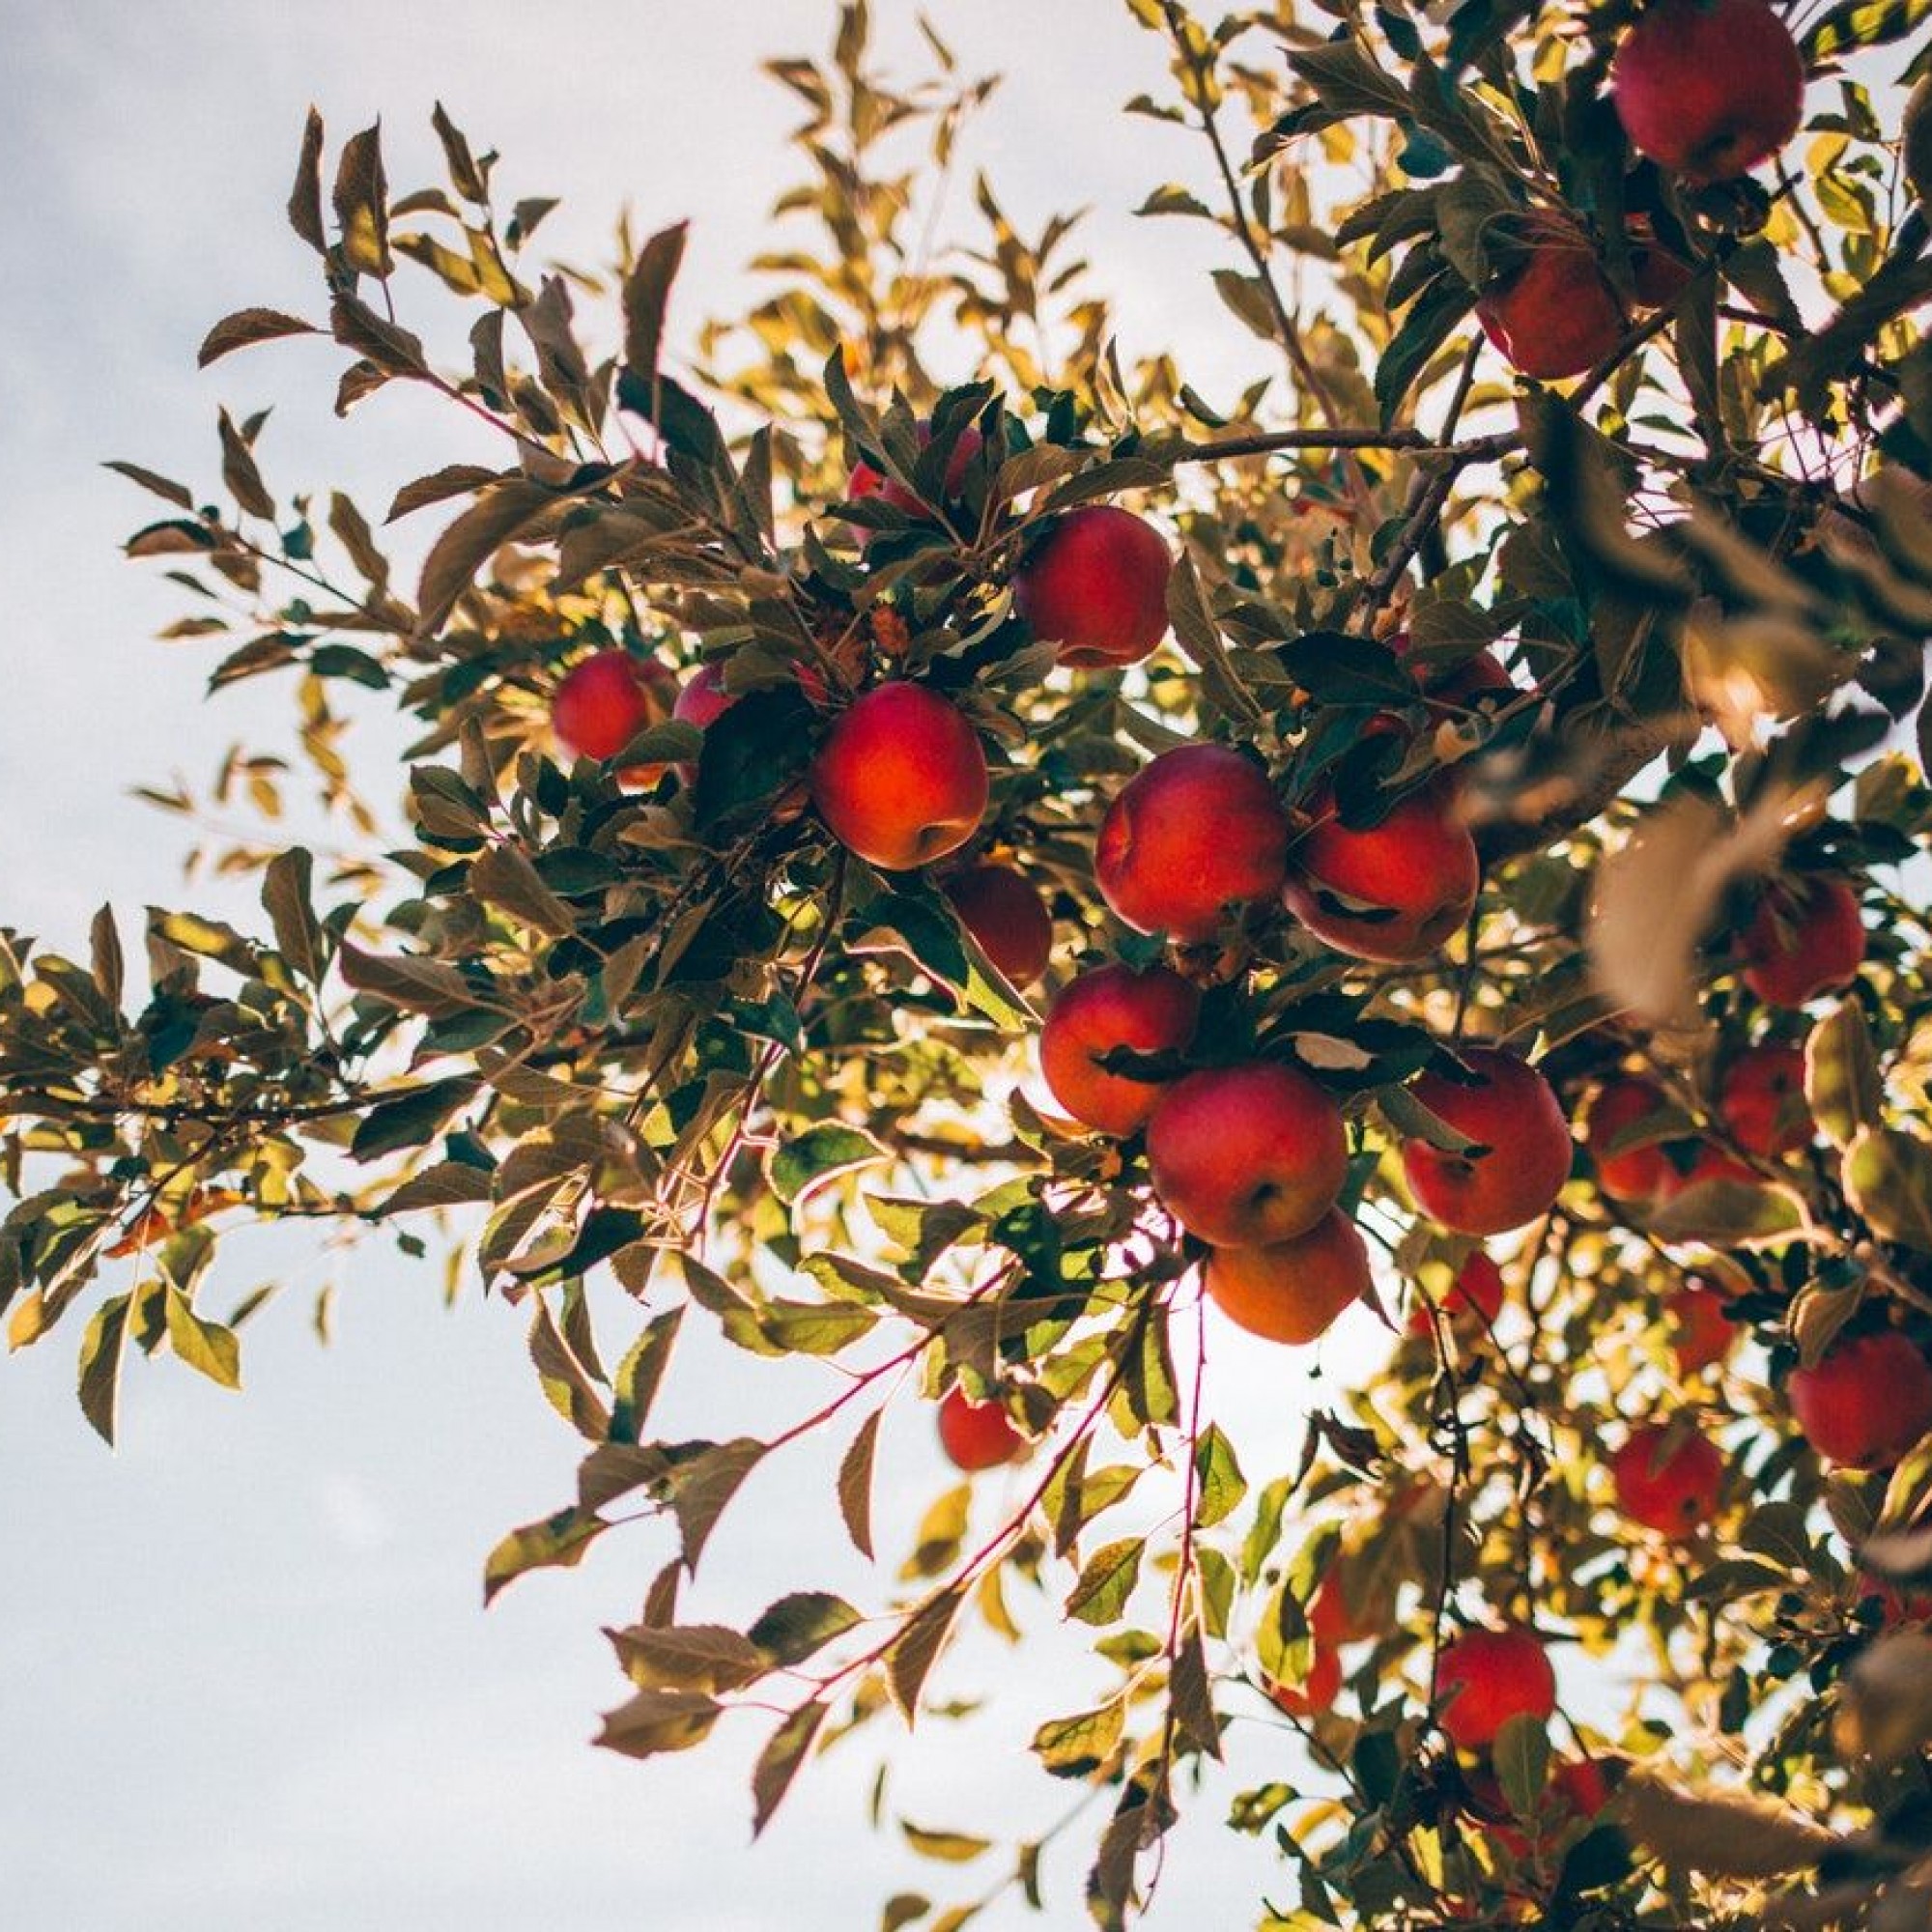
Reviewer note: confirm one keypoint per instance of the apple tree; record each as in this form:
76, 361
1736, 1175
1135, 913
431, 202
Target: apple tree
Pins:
943, 851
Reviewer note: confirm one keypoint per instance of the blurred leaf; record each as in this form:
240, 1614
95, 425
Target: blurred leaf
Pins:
778, 1762
1888, 1182
558, 1541
245, 326
1841, 1074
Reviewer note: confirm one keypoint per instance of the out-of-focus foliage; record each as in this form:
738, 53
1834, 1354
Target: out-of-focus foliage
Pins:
645, 1014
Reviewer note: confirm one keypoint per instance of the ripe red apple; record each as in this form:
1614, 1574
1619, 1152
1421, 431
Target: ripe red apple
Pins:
1247, 1156
902, 776
1636, 1173
1395, 892
1806, 938
1007, 918
1194, 833
866, 481
1474, 1300
1701, 1333
1096, 586
1458, 686
702, 695
1317, 1691
1331, 1621
1866, 1402
1113, 1007
1513, 1114
1577, 1788
603, 701
1292, 1291
1668, 1480
1709, 88
976, 1435
1762, 1099
1489, 1676
1556, 315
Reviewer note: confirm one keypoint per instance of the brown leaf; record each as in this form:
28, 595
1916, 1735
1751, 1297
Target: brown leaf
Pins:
1884, 1710
855, 1483
362, 201
462, 550
659, 1720
780, 1761
242, 330
306, 197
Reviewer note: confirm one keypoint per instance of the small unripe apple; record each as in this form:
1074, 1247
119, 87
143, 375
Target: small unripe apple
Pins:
866, 481
1474, 1300
1762, 1099
1709, 88
603, 701
1246, 1156
900, 779
1489, 1676
976, 1435
1806, 938
1292, 1291
1701, 1333
1151, 1013
1668, 1479
1637, 1172
1866, 1402
1556, 315
1007, 918
1096, 584
1394, 892
1512, 1114
1196, 832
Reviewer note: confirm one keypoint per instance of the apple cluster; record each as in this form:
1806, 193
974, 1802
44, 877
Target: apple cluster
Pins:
1707, 90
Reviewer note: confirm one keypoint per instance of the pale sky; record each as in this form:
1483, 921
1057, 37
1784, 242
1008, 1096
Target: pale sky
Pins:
248, 1681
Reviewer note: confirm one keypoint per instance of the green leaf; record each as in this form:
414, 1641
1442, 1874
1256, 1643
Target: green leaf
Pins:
646, 291
1107, 1581
1434, 314
811, 1160
1841, 1074
654, 1721
412, 1120
1221, 1485
638, 1375
702, 1487
206, 1346
101, 1364
360, 198
1078, 1746
1888, 1182
855, 1483
956, 1848
1522, 1757
557, 1543
567, 1384
798, 1625
778, 1762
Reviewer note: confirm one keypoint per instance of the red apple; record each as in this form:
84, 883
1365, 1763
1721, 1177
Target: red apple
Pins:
866, 481
1292, 1291
702, 695
1096, 586
1194, 833
1459, 686
1866, 1402
1489, 1676
1762, 1099
1658, 276
1556, 315
1709, 88
976, 1435
1113, 1007
1701, 1333
1007, 918
1247, 1156
1668, 1480
1807, 937
1395, 892
1637, 1172
900, 779
603, 701
1317, 1691
1512, 1114
1576, 1789
1332, 1621
1474, 1300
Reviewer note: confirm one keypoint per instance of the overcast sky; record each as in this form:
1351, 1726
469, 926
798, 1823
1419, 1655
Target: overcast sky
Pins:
248, 1682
